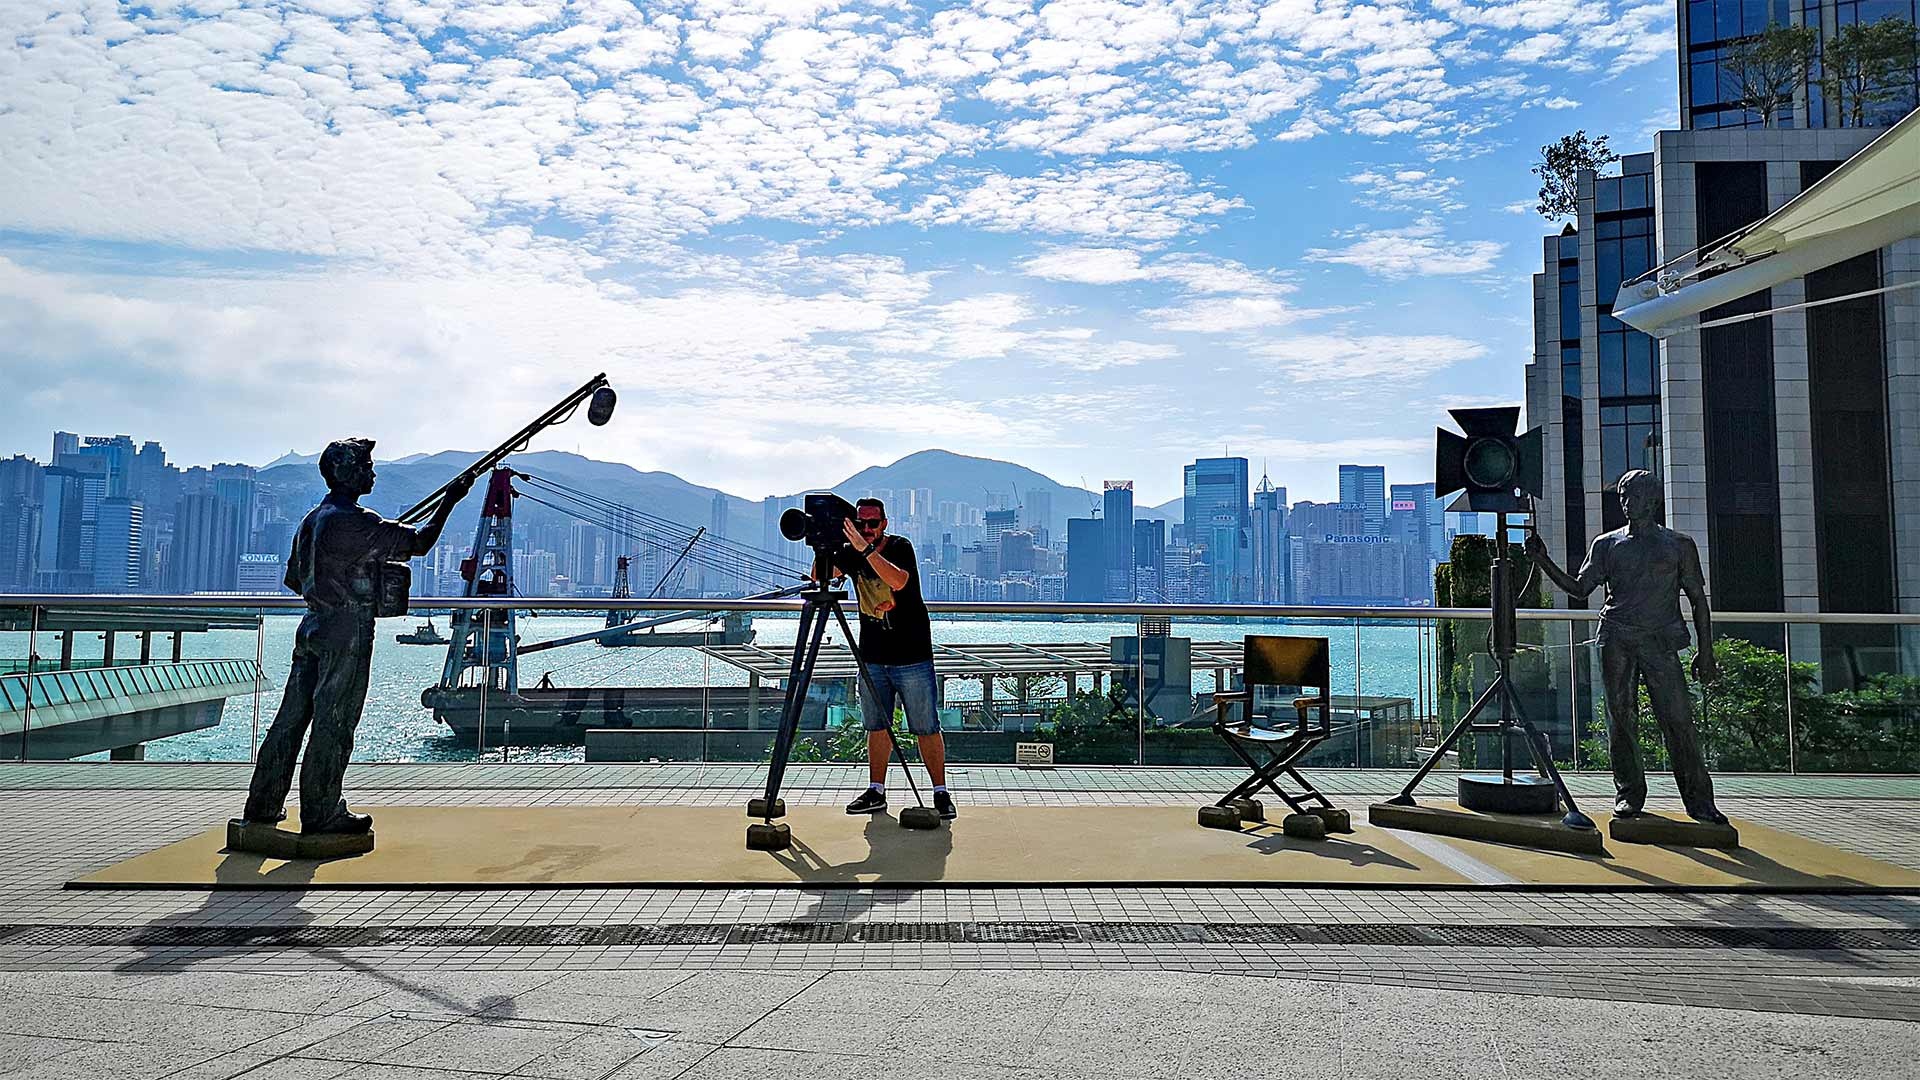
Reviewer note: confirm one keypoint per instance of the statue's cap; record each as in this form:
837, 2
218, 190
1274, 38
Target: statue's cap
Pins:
340, 452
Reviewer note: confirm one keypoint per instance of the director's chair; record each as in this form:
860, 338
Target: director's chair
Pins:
1269, 663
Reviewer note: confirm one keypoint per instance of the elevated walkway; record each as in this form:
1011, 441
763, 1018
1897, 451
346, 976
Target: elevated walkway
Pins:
71, 713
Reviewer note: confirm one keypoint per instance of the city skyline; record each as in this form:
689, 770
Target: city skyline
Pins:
107, 515
1051, 233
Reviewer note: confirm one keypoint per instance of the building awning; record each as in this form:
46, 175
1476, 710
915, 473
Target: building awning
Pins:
1870, 201
974, 661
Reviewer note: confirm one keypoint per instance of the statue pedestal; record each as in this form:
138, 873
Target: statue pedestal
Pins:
1544, 831
260, 838
1673, 832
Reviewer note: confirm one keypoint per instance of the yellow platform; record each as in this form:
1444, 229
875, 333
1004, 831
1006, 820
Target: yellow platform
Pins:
611, 847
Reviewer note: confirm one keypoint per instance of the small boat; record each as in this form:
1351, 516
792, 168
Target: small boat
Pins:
424, 634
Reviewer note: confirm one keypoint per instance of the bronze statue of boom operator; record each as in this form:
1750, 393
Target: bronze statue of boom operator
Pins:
1645, 567
335, 564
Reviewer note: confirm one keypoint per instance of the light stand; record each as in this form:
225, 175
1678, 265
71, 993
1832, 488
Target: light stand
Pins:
1506, 793
816, 603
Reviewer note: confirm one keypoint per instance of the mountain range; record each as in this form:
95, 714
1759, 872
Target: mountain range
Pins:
980, 482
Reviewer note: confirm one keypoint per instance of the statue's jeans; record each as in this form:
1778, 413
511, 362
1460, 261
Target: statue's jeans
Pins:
332, 655
1626, 660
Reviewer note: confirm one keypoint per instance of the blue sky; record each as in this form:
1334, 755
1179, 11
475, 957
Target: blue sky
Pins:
1095, 237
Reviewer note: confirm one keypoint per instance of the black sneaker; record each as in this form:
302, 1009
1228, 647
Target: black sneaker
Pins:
943, 802
869, 802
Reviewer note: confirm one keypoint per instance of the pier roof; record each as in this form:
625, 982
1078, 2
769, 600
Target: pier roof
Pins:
972, 660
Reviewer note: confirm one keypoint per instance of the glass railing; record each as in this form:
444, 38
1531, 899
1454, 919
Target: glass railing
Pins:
1018, 683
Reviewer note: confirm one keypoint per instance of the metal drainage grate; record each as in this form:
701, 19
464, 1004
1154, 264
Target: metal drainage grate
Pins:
880, 933
795, 933
1144, 933
1015, 932
164, 936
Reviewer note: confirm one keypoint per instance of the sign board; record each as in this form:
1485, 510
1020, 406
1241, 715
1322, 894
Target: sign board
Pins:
1033, 753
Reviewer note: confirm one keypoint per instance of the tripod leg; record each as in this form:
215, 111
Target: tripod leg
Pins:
806, 650
1405, 798
1543, 760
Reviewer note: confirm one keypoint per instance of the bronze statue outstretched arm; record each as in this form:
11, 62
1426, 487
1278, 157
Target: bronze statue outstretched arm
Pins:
427, 535
1582, 585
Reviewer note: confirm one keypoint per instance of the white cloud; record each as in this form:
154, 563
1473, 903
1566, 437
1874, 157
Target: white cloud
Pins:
1226, 314
1399, 187
1418, 249
1088, 265
1317, 358
1139, 200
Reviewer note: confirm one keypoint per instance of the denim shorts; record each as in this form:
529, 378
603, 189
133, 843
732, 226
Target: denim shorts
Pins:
911, 687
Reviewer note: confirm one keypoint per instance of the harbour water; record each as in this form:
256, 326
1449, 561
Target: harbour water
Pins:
395, 727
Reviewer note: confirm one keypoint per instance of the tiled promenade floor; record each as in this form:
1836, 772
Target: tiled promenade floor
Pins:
1242, 982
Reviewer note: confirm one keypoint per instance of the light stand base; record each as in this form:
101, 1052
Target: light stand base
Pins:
778, 837
1497, 794
1551, 833
919, 817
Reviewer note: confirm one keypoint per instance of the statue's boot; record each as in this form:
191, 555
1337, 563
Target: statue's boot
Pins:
341, 820
1708, 814
265, 817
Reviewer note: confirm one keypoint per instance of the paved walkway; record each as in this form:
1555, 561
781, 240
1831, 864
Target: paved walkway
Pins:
439, 985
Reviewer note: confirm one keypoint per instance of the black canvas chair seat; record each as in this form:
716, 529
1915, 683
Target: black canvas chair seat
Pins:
1272, 661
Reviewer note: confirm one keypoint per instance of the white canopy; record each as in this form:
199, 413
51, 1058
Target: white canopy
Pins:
1870, 201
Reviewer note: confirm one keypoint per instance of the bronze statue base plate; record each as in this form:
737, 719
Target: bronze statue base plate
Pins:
1543, 831
260, 838
1673, 832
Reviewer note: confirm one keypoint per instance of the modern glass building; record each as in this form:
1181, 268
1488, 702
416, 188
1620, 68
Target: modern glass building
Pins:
1789, 443
1219, 523
1709, 89
1365, 486
1117, 540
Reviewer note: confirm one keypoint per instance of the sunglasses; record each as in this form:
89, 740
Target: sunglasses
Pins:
869, 523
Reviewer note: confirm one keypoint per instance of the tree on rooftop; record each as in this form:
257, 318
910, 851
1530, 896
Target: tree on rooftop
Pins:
1762, 73
1559, 171
1870, 64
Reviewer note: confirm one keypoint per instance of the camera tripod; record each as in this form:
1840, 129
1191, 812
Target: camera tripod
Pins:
1506, 795
817, 602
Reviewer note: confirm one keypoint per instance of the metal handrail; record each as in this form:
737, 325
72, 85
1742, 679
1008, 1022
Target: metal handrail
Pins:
201, 602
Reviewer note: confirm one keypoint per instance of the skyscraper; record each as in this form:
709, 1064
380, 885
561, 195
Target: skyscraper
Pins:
20, 483
1269, 543
117, 546
1086, 555
1036, 513
1117, 540
1219, 523
1365, 486
58, 568
205, 554
1149, 560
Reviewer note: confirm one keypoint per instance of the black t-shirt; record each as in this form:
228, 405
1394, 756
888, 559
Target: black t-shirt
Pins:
894, 628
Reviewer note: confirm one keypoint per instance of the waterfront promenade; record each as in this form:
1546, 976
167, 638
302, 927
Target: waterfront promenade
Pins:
1489, 981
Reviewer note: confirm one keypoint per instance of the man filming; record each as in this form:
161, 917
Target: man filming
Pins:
896, 644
